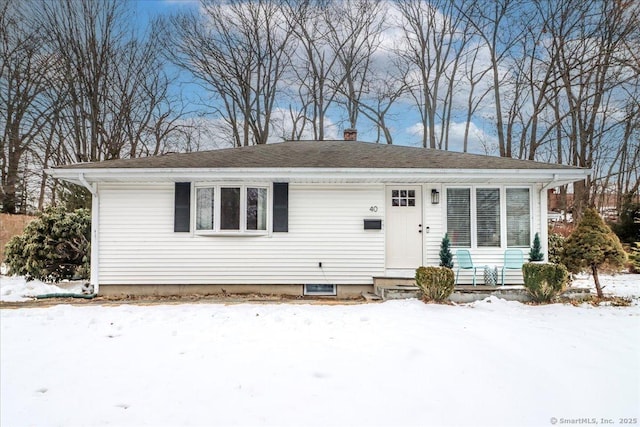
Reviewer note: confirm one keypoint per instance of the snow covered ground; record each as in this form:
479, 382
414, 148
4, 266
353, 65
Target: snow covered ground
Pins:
16, 288
398, 363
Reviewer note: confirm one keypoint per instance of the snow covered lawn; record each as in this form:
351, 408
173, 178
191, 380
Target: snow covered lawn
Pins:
17, 289
397, 363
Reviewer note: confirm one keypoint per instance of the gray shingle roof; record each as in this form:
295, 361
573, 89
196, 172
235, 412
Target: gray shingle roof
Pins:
321, 154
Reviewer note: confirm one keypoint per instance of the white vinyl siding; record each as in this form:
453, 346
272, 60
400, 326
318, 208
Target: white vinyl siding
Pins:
138, 245
435, 224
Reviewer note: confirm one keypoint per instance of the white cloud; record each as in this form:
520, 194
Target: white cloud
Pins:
282, 125
479, 140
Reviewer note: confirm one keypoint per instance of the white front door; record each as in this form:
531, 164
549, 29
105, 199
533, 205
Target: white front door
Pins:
404, 226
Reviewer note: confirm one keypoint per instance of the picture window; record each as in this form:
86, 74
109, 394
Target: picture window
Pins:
236, 209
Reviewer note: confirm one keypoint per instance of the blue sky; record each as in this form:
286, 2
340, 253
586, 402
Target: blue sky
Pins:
150, 8
406, 122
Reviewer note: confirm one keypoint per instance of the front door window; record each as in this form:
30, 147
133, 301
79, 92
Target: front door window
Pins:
403, 198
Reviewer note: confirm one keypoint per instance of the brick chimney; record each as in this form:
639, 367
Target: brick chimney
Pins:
350, 134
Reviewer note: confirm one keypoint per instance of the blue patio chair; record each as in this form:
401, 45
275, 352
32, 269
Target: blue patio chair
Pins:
465, 263
513, 260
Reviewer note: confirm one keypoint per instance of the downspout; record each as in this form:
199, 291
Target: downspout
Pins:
95, 216
544, 227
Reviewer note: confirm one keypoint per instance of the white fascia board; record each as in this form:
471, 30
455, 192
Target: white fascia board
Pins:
555, 176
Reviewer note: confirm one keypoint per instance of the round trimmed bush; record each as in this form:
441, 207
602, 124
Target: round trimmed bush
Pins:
546, 281
436, 283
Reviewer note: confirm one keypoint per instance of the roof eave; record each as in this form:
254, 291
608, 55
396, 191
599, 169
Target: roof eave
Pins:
558, 176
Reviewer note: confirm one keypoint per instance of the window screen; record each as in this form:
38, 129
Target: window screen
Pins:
488, 216
458, 216
518, 217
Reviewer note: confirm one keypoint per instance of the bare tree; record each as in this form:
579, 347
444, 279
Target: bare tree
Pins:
23, 67
494, 23
84, 35
239, 50
430, 43
355, 27
315, 60
590, 38
111, 81
385, 89
78, 83
474, 76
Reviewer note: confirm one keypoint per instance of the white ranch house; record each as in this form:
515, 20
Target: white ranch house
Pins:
305, 216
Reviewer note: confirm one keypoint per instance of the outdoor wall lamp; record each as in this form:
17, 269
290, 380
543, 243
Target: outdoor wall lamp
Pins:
435, 197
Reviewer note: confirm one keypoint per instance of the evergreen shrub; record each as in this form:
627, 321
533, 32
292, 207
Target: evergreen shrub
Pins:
436, 283
535, 254
555, 248
53, 247
627, 228
593, 247
544, 281
446, 257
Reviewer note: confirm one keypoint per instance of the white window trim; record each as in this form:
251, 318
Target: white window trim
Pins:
503, 214
217, 186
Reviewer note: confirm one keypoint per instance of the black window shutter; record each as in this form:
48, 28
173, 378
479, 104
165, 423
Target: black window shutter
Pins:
281, 206
182, 205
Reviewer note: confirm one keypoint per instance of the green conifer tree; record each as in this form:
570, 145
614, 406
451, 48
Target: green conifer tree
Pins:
593, 247
54, 246
536, 250
446, 257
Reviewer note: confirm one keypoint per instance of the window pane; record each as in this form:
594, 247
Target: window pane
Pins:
518, 217
458, 216
256, 208
488, 216
229, 208
205, 208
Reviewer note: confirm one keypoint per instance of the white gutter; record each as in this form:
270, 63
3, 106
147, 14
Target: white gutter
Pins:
552, 183
544, 220
95, 221
558, 176
92, 188
544, 209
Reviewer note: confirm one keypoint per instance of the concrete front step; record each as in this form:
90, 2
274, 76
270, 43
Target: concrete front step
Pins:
395, 287
402, 288
398, 292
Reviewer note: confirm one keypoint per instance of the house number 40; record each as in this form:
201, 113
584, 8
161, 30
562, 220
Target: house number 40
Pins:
373, 209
